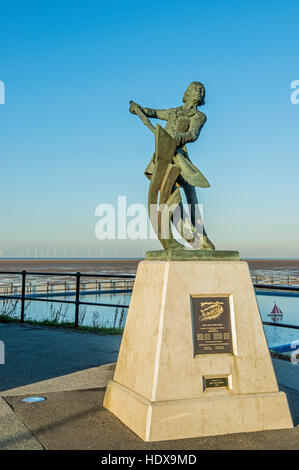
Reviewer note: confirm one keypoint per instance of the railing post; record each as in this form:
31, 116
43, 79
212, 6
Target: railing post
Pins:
23, 296
77, 305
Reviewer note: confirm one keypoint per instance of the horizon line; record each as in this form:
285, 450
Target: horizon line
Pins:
128, 258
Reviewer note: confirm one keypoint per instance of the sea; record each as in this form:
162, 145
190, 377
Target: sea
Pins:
115, 314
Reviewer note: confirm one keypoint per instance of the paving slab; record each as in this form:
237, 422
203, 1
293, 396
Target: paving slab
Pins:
65, 367
287, 373
95, 377
37, 353
77, 420
14, 435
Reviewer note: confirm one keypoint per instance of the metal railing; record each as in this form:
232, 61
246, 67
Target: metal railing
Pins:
275, 280
276, 287
283, 325
77, 302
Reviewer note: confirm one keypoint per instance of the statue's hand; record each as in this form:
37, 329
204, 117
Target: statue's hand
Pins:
133, 107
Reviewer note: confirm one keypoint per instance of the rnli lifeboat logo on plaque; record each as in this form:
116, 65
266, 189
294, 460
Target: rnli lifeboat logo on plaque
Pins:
211, 323
211, 310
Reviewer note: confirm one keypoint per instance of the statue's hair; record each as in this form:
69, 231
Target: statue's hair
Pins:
200, 85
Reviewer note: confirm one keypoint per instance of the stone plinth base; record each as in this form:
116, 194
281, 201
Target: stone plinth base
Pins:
179, 419
174, 380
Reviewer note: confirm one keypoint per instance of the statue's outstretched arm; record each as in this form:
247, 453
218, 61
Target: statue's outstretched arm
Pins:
157, 113
149, 112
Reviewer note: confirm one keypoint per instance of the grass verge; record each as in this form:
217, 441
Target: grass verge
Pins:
100, 330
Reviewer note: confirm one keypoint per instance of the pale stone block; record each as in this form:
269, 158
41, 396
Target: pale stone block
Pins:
157, 389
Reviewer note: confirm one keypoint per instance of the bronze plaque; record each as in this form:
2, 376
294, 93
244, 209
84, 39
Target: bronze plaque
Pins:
212, 332
215, 382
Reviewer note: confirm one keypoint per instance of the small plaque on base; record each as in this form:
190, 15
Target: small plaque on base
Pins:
215, 382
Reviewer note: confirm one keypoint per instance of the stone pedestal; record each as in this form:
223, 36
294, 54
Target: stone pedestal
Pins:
194, 359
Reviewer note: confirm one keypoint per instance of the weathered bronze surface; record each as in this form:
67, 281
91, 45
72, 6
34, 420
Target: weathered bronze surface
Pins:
211, 320
192, 255
170, 169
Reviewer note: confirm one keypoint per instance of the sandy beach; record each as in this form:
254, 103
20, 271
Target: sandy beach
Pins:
120, 265
274, 264
129, 266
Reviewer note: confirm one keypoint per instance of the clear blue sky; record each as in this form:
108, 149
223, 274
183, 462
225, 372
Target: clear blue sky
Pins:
68, 142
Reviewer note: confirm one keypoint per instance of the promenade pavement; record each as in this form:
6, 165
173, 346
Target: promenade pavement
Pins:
70, 369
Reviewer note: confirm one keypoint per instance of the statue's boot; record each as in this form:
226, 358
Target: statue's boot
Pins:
197, 239
206, 243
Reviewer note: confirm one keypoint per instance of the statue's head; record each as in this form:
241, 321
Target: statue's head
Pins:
195, 93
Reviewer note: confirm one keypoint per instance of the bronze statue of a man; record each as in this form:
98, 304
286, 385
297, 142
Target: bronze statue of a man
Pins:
184, 124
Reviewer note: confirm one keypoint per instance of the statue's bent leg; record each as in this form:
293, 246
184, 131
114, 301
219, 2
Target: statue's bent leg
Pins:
195, 215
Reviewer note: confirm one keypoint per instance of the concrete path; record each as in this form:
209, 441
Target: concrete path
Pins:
36, 353
65, 367
77, 420
13, 433
56, 360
